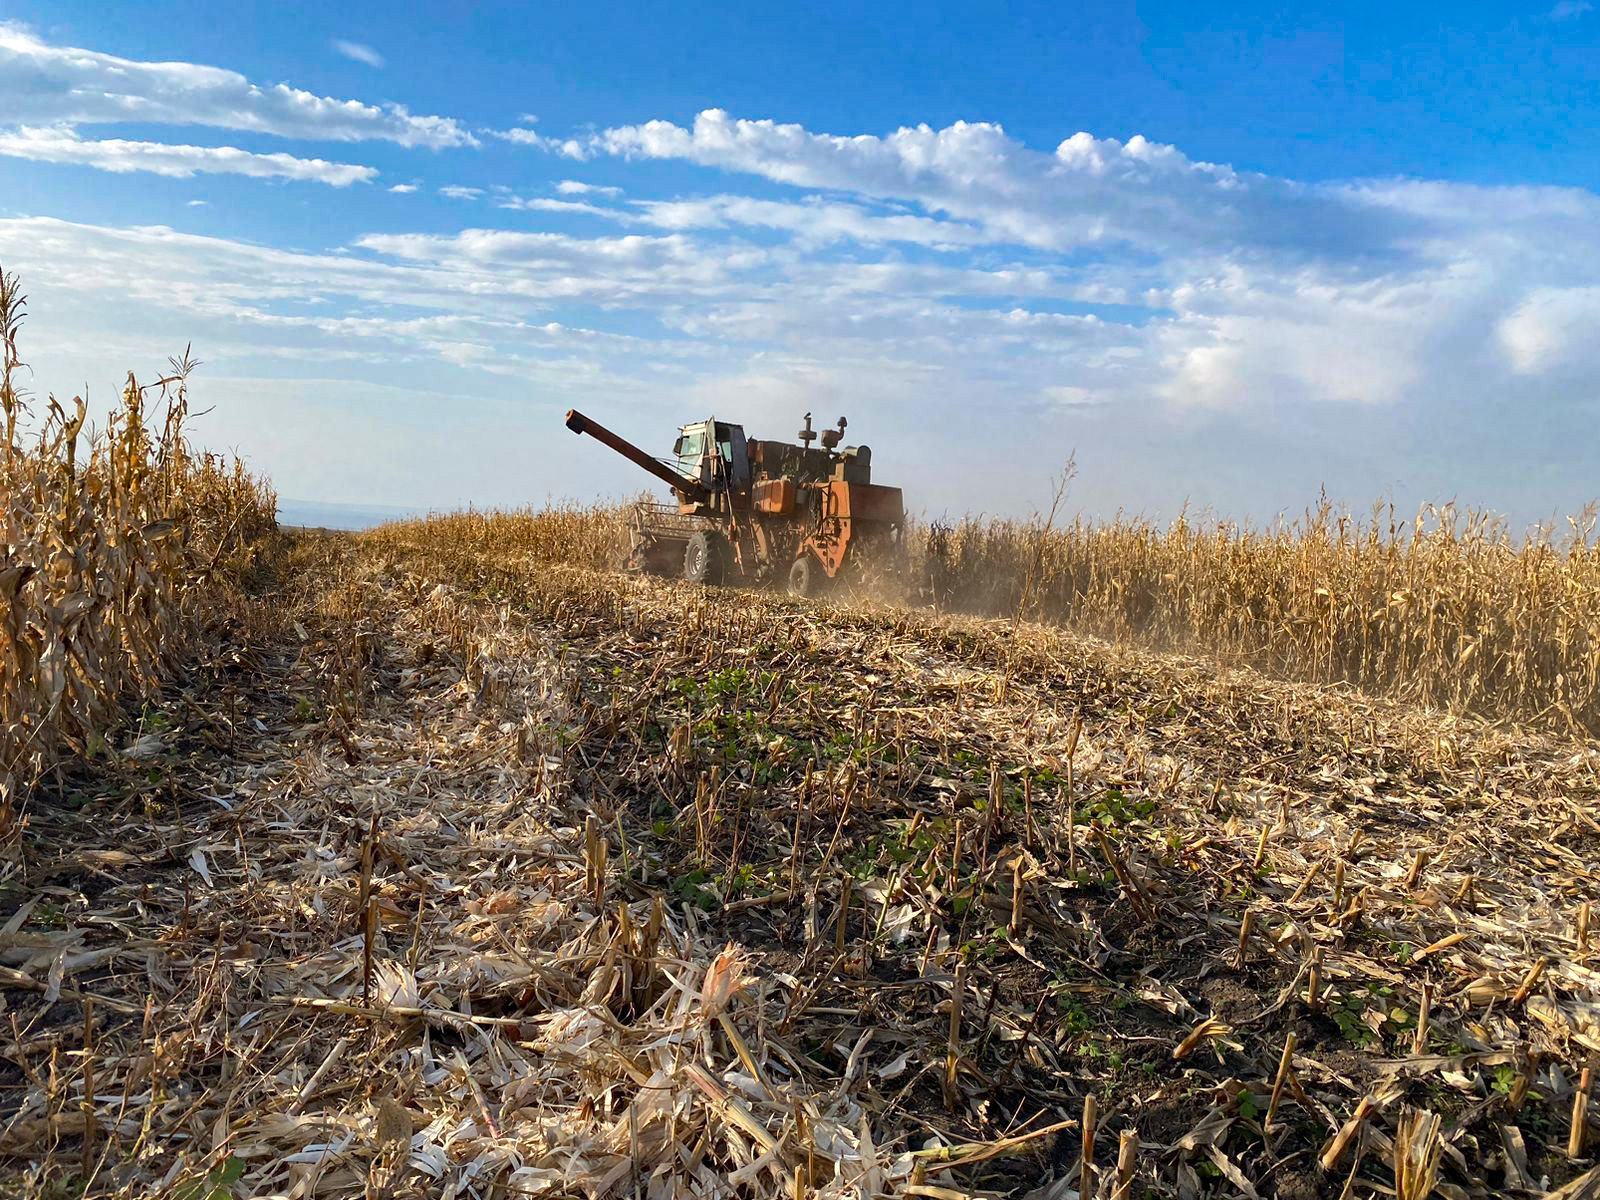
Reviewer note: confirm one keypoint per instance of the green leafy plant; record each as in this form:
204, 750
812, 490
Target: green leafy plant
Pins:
217, 1183
1112, 808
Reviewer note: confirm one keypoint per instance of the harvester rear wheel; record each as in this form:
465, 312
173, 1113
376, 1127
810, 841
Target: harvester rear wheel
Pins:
806, 576
705, 558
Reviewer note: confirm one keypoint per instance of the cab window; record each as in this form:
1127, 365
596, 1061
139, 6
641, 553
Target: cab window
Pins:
690, 448
725, 442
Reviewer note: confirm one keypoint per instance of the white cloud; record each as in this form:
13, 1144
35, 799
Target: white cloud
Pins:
484, 275
1566, 10
456, 192
1072, 397
815, 220
61, 145
570, 147
403, 189
196, 204
359, 52
48, 84
573, 187
431, 296
558, 267
1369, 293
1242, 339
546, 204
1553, 328
1091, 190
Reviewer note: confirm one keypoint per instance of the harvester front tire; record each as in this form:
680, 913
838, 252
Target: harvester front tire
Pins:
806, 576
705, 558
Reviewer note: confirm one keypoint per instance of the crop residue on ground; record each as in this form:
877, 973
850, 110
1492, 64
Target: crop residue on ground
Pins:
460, 871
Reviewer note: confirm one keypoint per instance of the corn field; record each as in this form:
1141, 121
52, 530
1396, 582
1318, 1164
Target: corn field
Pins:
114, 543
574, 535
1451, 609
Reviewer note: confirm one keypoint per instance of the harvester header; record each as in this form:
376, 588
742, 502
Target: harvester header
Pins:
749, 510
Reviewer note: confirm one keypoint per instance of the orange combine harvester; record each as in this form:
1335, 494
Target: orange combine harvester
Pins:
756, 511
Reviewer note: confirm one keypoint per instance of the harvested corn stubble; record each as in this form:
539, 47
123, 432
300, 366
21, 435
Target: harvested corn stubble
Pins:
692, 892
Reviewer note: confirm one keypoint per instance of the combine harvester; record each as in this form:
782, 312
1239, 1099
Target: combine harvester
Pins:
750, 511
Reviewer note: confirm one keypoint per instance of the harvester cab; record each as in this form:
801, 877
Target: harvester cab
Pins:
715, 453
752, 511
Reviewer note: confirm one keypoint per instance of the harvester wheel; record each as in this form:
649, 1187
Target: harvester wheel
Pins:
806, 576
705, 558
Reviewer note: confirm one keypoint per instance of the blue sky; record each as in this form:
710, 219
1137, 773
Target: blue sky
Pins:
1229, 254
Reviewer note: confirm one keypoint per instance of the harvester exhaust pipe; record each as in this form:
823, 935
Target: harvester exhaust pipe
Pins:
692, 488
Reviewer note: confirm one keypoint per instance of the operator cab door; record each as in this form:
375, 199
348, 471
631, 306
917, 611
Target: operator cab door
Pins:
691, 450
735, 453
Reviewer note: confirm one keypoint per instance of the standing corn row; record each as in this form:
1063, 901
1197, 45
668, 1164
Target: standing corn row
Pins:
1450, 609
109, 549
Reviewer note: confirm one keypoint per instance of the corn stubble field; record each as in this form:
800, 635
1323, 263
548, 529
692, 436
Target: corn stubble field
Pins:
445, 861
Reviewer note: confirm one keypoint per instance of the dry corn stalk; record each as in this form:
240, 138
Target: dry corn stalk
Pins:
1417, 1149
111, 553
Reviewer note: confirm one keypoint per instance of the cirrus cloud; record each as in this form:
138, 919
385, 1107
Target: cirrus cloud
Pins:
359, 52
